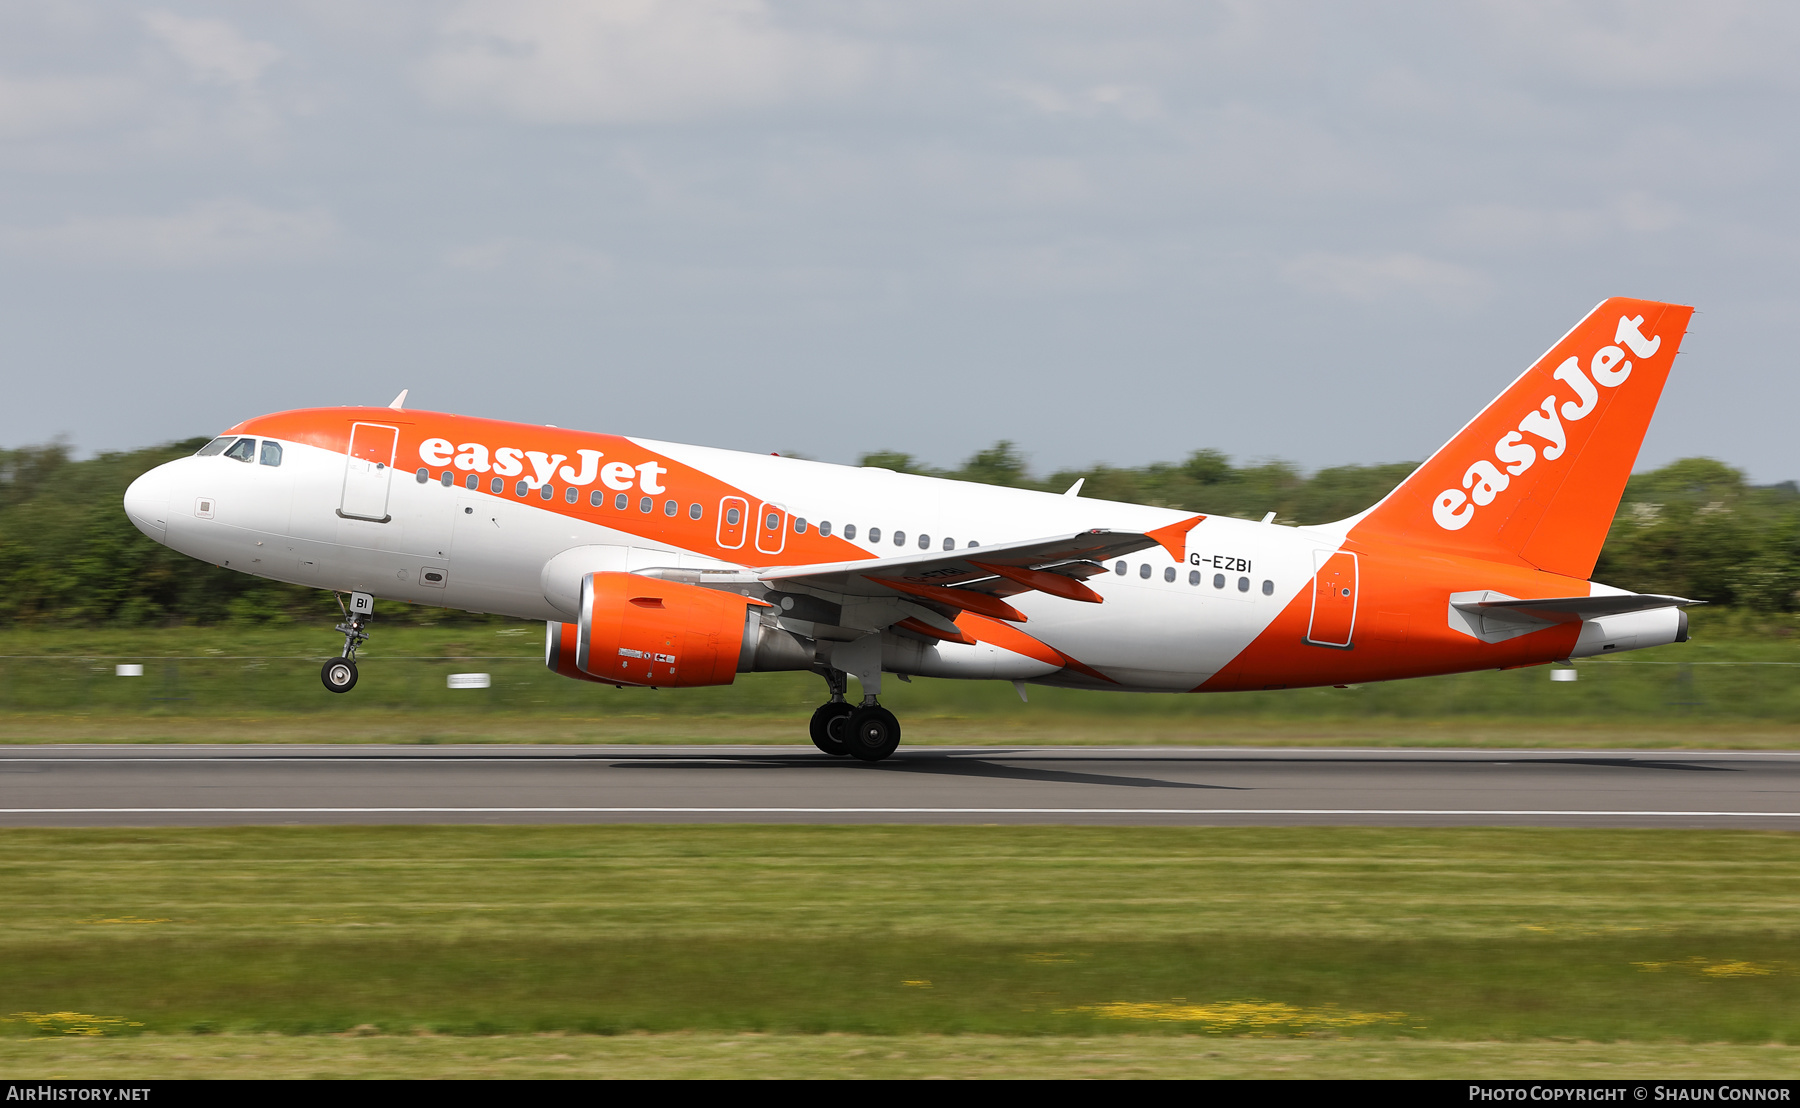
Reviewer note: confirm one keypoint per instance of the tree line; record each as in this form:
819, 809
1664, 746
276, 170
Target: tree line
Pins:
68, 556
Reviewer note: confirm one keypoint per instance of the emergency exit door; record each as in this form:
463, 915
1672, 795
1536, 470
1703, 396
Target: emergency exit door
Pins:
1334, 599
367, 472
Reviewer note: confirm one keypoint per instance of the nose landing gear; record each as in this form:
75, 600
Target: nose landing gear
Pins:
339, 674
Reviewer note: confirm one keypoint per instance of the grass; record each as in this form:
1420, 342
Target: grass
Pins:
1729, 688
1301, 933
714, 1055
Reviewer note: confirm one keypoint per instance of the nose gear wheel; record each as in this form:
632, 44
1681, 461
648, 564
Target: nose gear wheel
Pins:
339, 675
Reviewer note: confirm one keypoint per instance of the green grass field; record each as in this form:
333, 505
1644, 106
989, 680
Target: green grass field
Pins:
762, 1055
930, 934
1730, 687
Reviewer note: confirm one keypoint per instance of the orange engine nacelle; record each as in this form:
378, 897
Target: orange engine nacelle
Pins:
641, 631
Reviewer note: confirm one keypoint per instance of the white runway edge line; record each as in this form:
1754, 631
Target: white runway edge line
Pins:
692, 810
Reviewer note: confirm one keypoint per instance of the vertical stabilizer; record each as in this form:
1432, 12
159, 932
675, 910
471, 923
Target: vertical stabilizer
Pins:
1536, 477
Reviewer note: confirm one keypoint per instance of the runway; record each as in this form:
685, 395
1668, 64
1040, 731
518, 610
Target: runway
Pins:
107, 786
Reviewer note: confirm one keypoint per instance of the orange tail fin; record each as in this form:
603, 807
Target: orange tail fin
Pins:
1536, 477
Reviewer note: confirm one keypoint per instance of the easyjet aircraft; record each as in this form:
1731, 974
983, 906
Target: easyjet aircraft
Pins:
656, 564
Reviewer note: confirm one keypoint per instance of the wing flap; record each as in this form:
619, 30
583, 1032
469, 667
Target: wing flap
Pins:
971, 569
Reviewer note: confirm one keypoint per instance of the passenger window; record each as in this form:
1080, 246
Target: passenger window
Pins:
472, 483
217, 446
1268, 588
949, 544
924, 542
596, 498
1193, 577
874, 535
1243, 584
447, 479
243, 450
849, 530
1144, 571
1218, 580
973, 544
825, 528
899, 538
1169, 574
1119, 568
546, 492
271, 453
621, 501
731, 515
695, 511
571, 494
670, 508
645, 505
423, 475
521, 488
497, 485
799, 526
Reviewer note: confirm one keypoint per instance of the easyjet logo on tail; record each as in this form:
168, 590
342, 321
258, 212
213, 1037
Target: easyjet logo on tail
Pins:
1484, 480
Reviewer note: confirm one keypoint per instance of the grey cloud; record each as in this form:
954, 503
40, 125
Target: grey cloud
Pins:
631, 61
1371, 277
219, 233
32, 106
211, 49
1163, 216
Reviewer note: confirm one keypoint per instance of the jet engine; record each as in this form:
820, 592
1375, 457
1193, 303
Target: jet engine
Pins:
637, 630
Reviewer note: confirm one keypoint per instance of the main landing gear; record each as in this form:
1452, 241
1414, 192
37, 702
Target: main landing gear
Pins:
867, 732
339, 674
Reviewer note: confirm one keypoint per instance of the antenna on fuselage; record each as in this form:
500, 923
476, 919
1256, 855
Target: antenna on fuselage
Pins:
399, 403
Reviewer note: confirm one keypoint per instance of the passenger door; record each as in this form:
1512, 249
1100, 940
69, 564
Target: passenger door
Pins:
367, 472
1334, 599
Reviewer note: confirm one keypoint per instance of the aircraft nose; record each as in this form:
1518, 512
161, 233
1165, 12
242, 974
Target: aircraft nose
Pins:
147, 503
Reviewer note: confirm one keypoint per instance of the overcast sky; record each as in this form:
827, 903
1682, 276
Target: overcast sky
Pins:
1109, 231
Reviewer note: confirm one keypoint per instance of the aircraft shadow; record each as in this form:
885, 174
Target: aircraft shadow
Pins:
924, 762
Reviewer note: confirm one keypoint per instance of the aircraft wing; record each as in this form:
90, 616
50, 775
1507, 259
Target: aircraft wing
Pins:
1572, 609
974, 579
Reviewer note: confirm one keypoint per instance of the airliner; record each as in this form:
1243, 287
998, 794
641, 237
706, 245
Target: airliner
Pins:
660, 565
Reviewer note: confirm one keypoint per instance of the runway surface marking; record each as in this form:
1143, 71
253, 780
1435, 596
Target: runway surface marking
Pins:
895, 811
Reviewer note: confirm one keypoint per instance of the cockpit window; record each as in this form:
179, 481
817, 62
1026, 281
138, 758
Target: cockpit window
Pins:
271, 453
243, 450
216, 446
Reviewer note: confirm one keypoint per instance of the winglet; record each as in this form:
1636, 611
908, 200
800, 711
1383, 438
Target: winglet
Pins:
1075, 489
1173, 538
399, 403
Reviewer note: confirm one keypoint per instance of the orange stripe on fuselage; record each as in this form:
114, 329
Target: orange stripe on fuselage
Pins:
1008, 637
329, 429
1402, 626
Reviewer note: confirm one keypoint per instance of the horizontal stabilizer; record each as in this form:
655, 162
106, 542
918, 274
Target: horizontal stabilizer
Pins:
1571, 609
